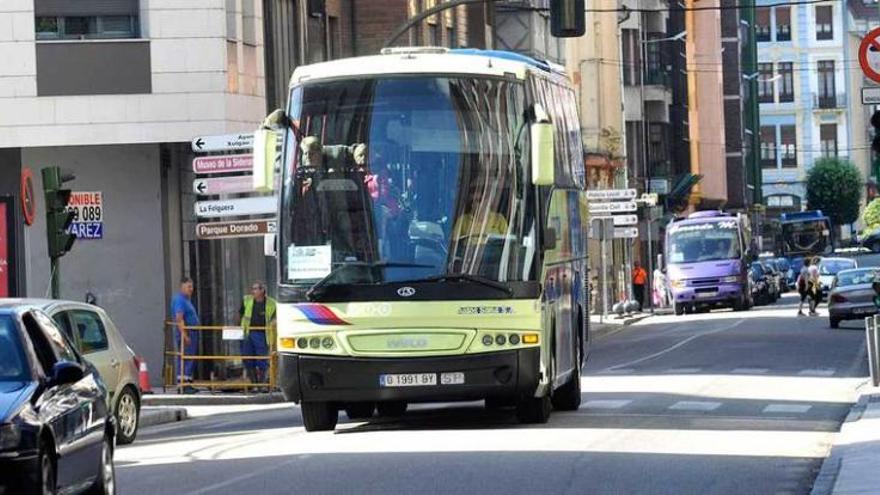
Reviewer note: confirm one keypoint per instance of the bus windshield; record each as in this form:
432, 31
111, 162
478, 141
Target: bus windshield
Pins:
707, 241
406, 179
806, 237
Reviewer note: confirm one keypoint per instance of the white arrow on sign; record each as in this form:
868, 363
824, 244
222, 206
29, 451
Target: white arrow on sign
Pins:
224, 185
225, 142
622, 206
621, 220
612, 194
626, 232
258, 205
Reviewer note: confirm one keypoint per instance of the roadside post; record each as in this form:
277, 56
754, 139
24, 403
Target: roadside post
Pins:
873, 348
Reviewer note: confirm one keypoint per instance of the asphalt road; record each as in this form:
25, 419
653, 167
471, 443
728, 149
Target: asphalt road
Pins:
720, 403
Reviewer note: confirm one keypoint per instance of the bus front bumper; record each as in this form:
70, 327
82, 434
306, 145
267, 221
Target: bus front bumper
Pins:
509, 374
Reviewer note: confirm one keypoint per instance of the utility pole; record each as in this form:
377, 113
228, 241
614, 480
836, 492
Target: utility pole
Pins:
58, 220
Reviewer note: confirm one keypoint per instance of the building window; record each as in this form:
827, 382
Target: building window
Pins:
783, 24
827, 94
828, 139
788, 146
632, 59
824, 22
333, 41
786, 82
762, 24
768, 147
765, 83
86, 27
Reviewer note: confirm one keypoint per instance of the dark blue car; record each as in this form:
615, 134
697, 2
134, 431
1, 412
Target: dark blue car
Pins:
56, 431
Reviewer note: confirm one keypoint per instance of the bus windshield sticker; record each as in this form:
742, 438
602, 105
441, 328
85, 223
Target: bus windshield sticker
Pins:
308, 262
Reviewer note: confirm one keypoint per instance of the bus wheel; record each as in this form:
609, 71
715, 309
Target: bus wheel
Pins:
534, 409
568, 396
678, 308
392, 408
319, 416
360, 410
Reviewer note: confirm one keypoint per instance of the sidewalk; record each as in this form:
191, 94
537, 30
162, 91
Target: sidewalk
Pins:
852, 466
171, 398
152, 416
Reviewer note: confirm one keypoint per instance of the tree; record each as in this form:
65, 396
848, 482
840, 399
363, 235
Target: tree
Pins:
871, 216
834, 186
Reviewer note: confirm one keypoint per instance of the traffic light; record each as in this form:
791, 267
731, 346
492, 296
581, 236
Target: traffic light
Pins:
58, 218
568, 18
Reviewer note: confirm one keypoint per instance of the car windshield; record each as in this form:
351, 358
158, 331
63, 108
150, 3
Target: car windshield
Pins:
707, 241
856, 277
407, 179
13, 365
831, 267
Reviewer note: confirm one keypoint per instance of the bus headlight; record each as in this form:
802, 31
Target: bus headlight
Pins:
327, 343
288, 343
730, 280
678, 283
487, 340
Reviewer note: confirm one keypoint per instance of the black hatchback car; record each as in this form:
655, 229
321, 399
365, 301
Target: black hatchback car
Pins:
56, 430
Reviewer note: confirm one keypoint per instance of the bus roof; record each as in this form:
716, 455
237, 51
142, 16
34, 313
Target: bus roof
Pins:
427, 60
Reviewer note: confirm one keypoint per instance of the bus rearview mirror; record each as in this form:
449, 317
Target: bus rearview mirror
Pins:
542, 154
265, 144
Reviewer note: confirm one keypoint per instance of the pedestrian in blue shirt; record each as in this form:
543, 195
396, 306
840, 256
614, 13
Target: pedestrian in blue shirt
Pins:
184, 315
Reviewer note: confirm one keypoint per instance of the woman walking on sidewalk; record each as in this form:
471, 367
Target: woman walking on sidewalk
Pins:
815, 287
803, 284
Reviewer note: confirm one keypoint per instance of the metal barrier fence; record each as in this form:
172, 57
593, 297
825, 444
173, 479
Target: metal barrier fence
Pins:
873, 342
214, 383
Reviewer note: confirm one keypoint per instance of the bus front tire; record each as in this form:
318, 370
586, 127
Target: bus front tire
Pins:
568, 396
534, 410
678, 308
319, 416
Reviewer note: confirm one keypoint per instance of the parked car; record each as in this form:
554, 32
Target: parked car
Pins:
828, 269
871, 241
57, 433
788, 275
778, 277
761, 289
96, 337
852, 295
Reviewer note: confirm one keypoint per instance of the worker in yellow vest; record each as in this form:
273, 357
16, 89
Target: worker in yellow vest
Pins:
258, 321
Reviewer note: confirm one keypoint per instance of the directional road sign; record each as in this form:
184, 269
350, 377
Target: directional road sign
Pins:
869, 55
612, 194
621, 220
626, 232
223, 163
258, 205
224, 185
241, 228
226, 142
622, 206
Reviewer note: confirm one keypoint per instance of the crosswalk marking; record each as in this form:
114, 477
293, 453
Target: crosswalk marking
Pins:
750, 371
817, 372
686, 405
606, 404
787, 408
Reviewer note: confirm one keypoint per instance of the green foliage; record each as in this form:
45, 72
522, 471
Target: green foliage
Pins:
871, 215
834, 186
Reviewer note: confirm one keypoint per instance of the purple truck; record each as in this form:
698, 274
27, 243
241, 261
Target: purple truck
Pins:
708, 255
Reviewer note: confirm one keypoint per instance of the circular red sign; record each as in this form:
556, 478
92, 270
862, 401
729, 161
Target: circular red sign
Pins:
28, 199
870, 43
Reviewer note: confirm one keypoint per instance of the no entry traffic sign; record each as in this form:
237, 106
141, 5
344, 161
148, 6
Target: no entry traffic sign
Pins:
869, 55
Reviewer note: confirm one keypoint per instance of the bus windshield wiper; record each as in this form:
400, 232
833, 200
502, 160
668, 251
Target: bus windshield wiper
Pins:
315, 290
467, 277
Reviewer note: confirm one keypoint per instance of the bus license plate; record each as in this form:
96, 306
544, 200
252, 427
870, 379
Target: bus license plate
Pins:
706, 295
408, 380
453, 378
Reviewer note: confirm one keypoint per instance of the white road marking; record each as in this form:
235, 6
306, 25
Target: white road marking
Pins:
682, 371
692, 405
750, 371
675, 346
818, 372
787, 408
616, 371
606, 404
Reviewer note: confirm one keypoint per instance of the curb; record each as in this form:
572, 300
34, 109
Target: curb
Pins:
826, 479
610, 327
158, 416
212, 399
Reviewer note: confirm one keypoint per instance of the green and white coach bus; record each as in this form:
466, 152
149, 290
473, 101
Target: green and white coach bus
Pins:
432, 234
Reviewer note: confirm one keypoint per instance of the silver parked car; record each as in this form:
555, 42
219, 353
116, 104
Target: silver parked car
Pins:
829, 267
100, 342
852, 295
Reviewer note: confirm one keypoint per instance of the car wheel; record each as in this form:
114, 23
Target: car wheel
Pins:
392, 408
360, 410
834, 322
42, 480
534, 410
105, 484
127, 416
319, 416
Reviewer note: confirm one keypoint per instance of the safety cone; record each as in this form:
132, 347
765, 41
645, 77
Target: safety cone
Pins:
144, 377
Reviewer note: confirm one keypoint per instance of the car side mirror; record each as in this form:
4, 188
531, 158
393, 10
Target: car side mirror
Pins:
67, 372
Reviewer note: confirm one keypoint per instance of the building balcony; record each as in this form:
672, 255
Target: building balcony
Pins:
658, 78
822, 101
